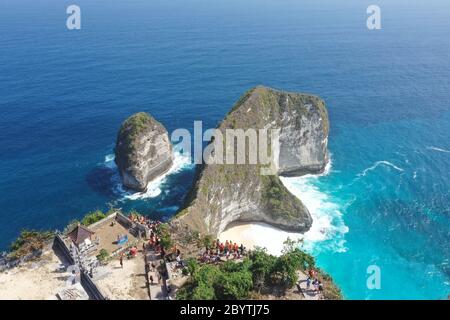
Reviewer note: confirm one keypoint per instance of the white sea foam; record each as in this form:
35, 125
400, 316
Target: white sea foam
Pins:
438, 149
377, 164
327, 231
328, 228
109, 161
180, 162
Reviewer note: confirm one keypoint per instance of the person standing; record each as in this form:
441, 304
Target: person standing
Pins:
320, 287
316, 285
121, 261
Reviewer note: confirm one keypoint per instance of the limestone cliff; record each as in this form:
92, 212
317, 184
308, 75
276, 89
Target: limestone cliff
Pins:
143, 151
226, 193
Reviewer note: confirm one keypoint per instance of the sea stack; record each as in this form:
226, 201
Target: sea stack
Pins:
143, 151
239, 193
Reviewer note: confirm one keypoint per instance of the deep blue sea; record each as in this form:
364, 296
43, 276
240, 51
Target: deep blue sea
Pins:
386, 199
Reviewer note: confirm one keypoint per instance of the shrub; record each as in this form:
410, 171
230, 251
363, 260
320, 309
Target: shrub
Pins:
240, 280
93, 217
29, 241
164, 233
207, 241
71, 225
192, 265
261, 267
235, 284
285, 270
103, 255
208, 282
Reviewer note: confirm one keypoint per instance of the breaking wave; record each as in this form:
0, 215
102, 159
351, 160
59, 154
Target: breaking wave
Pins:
328, 228
377, 164
438, 149
180, 162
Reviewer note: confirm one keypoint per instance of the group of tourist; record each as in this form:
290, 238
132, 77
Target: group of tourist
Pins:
151, 224
314, 281
220, 249
154, 242
151, 270
131, 253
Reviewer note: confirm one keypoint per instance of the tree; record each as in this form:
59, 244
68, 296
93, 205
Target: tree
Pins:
305, 261
285, 269
261, 267
234, 285
192, 265
206, 274
207, 241
288, 264
228, 281
290, 245
164, 233
203, 291
93, 217
235, 280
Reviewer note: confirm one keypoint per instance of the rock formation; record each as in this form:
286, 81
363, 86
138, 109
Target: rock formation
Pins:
143, 151
230, 193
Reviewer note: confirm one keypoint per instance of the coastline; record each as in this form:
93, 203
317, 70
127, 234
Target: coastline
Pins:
257, 234
321, 208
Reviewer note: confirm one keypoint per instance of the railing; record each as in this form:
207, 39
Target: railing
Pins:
140, 229
90, 286
87, 283
59, 243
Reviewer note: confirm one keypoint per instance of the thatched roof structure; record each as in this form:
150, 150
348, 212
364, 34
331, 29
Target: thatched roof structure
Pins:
79, 234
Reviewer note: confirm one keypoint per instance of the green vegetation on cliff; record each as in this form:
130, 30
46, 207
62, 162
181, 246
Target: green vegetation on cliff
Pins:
29, 242
135, 124
259, 273
163, 231
93, 217
278, 199
131, 128
89, 218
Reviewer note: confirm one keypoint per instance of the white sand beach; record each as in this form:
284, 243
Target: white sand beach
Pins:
253, 235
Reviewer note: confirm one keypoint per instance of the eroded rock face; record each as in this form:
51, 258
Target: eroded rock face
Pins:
230, 193
143, 151
303, 120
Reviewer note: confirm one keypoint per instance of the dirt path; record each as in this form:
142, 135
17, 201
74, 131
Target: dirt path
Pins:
157, 289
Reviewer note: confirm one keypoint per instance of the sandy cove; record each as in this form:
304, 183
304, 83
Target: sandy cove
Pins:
257, 234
